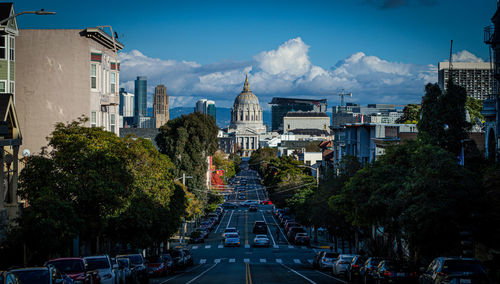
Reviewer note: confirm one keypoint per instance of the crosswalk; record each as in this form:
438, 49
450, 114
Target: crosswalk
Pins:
247, 246
257, 260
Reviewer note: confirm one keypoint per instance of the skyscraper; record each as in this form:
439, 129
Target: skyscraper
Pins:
475, 77
160, 106
206, 107
140, 99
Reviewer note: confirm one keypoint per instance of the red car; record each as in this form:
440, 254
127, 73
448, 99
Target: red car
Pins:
157, 266
75, 268
266, 202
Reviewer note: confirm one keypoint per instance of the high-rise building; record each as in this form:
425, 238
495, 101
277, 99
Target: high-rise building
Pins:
206, 107
475, 77
374, 113
281, 106
140, 98
160, 106
126, 103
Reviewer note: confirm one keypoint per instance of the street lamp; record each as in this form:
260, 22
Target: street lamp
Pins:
316, 169
183, 229
40, 12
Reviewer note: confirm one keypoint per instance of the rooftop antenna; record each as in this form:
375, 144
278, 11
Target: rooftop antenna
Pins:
450, 67
342, 95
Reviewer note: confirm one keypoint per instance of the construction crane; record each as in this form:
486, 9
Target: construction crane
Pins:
342, 95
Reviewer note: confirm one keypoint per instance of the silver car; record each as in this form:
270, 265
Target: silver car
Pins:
261, 240
343, 261
232, 239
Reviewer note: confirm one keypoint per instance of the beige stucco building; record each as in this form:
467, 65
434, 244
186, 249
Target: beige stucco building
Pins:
62, 74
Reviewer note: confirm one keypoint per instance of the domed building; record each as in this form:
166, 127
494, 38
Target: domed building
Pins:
246, 120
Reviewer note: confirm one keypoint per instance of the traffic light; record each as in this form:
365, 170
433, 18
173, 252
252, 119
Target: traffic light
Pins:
467, 244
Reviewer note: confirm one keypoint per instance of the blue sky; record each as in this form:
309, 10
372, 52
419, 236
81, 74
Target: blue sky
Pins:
384, 51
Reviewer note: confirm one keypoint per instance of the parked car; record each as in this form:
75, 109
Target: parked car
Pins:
139, 268
232, 239
168, 261
196, 237
252, 208
119, 273
242, 197
293, 231
8, 278
352, 272
340, 266
324, 259
302, 239
40, 275
266, 202
126, 266
261, 240
102, 263
229, 230
76, 268
289, 224
179, 258
392, 271
260, 227
189, 256
454, 270
367, 271
157, 266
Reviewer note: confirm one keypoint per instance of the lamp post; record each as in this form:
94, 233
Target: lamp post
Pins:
183, 230
39, 12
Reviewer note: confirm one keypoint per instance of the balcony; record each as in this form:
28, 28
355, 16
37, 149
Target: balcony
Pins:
109, 100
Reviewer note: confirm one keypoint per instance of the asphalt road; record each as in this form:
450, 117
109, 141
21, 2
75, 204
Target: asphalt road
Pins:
282, 262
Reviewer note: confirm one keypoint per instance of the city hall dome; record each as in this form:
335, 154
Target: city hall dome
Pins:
246, 112
246, 97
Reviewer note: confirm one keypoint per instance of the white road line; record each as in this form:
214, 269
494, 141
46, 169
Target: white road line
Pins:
310, 261
297, 261
182, 273
290, 247
278, 226
208, 246
194, 247
340, 280
310, 281
247, 246
201, 274
203, 261
231, 260
229, 222
278, 260
263, 260
220, 221
217, 260
220, 246
269, 230
276, 246
246, 260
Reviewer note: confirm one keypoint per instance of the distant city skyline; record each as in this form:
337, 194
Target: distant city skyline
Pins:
381, 51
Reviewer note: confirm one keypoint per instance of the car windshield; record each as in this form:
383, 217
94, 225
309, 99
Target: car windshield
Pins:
38, 276
175, 253
461, 265
97, 263
232, 236
68, 265
301, 235
331, 255
123, 261
135, 259
261, 236
230, 230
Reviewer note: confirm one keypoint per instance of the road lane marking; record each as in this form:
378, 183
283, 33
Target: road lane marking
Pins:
220, 222
231, 216
182, 273
278, 226
220, 246
290, 247
201, 274
208, 246
309, 280
269, 230
248, 274
194, 247
231, 260
297, 261
247, 246
263, 260
278, 260
217, 260
310, 261
246, 260
246, 229
276, 246
340, 280
203, 261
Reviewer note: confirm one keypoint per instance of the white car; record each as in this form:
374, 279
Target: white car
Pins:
343, 261
261, 240
102, 264
230, 230
249, 202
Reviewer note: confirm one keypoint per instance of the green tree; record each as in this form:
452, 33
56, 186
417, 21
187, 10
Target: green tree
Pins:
411, 114
188, 141
261, 158
474, 107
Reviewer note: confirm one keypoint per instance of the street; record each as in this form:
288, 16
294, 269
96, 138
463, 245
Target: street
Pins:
282, 262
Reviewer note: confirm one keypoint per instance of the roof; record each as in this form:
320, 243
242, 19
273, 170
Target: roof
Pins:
276, 101
315, 132
305, 114
5, 9
328, 155
102, 37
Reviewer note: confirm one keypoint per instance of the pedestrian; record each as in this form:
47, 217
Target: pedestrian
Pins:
277, 235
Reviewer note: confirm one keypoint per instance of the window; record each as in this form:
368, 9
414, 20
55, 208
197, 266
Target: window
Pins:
2, 47
12, 87
93, 119
113, 82
11, 48
2, 86
93, 76
112, 122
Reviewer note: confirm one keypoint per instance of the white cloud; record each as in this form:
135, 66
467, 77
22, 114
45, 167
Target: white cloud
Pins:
465, 56
285, 71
